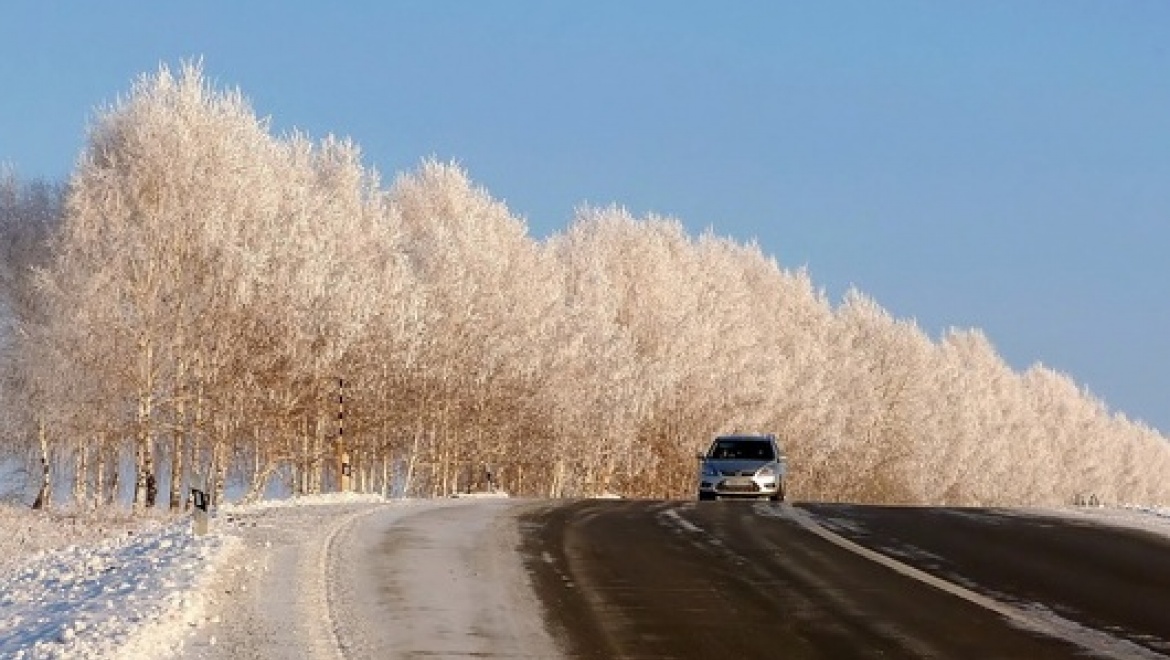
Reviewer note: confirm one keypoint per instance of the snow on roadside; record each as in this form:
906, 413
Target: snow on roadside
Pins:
310, 500
24, 532
130, 594
1160, 512
1151, 519
1148, 518
110, 585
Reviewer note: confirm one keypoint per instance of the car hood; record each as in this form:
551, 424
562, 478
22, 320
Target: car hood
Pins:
740, 466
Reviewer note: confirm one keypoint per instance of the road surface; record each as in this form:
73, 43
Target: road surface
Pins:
644, 579
754, 580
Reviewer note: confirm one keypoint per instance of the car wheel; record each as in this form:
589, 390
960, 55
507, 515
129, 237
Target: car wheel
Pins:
779, 496
706, 497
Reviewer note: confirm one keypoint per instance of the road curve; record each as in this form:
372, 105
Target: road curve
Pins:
649, 579
442, 582
638, 579
410, 579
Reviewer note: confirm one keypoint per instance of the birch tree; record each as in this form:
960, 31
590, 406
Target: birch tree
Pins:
490, 298
29, 214
214, 293
165, 168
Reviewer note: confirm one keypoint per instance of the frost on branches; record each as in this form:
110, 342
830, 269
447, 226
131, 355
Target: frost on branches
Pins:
207, 301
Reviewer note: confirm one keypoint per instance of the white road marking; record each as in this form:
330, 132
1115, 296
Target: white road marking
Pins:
681, 522
1036, 618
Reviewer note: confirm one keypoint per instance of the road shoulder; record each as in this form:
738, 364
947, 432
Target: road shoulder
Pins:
433, 578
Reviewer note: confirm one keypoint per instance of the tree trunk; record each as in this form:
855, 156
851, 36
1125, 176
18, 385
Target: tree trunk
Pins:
145, 488
301, 466
259, 482
45, 494
197, 465
115, 479
99, 477
81, 477
316, 474
219, 470
411, 462
178, 447
385, 475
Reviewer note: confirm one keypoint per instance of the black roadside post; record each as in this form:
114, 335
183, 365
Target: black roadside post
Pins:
199, 500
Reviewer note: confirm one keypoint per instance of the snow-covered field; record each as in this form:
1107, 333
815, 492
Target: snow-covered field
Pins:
106, 585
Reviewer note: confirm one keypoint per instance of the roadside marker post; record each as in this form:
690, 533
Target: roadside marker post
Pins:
344, 468
199, 500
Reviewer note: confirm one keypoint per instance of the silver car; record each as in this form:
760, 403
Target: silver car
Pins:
742, 466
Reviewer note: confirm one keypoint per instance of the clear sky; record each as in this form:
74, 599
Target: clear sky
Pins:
1001, 164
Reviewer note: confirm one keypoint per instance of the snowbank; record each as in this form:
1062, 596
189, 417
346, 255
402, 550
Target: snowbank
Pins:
309, 500
1152, 519
107, 584
482, 495
25, 533
130, 590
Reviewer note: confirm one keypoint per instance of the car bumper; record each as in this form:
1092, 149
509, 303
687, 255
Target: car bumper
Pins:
730, 487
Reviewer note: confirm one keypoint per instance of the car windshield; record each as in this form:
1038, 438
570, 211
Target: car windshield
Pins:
752, 450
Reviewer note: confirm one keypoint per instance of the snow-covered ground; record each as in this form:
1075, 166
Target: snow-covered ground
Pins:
100, 585
1155, 520
107, 585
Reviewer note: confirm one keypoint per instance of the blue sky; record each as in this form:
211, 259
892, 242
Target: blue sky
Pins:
994, 164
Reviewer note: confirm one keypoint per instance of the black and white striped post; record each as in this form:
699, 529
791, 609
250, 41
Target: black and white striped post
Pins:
199, 501
344, 469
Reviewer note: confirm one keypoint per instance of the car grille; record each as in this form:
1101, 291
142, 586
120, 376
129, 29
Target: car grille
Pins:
736, 473
750, 487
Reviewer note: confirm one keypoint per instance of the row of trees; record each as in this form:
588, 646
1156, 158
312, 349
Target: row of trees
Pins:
206, 302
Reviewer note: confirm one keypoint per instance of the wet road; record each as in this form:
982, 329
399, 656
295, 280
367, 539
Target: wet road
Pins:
637, 579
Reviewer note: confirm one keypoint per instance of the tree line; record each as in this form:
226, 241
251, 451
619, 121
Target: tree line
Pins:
205, 302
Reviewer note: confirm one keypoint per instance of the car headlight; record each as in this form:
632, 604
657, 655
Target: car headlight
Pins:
766, 471
709, 470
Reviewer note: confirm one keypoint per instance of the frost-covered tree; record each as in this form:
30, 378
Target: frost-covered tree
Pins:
29, 214
490, 299
222, 303
168, 174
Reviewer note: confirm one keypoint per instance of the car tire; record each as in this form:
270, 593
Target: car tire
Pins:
779, 496
706, 497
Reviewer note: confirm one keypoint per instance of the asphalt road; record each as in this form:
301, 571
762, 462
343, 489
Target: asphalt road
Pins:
638, 579
602, 579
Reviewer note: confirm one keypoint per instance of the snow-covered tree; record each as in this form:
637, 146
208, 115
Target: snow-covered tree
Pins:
219, 302
29, 214
490, 300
